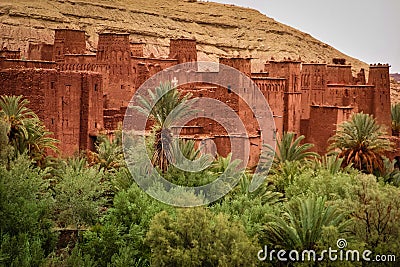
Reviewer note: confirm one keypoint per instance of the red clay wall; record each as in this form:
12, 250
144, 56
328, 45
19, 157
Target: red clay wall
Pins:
293, 111
61, 100
379, 76
313, 86
79, 62
91, 109
273, 90
241, 64
360, 97
68, 41
339, 74
184, 50
137, 49
247, 89
323, 124
10, 54
29, 83
23, 64
144, 68
215, 92
79, 108
40, 52
360, 78
207, 128
114, 59
291, 71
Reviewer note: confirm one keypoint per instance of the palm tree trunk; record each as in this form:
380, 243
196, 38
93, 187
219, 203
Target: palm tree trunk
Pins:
162, 149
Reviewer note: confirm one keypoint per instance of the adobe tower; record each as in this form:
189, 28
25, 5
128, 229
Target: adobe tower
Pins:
114, 62
291, 71
183, 49
379, 76
68, 41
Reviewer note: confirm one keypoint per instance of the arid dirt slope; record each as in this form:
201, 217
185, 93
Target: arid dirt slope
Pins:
395, 91
220, 29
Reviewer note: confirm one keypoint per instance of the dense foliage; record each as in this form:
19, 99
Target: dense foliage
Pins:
88, 211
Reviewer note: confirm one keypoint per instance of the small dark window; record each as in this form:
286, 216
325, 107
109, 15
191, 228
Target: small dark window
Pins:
52, 121
52, 85
95, 87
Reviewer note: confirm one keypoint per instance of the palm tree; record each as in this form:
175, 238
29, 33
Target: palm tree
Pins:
187, 157
395, 110
14, 111
289, 152
26, 133
265, 192
38, 143
302, 222
288, 161
165, 106
361, 142
288, 148
4, 130
109, 155
331, 163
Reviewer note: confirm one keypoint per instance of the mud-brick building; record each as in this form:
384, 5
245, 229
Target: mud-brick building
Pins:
78, 94
70, 103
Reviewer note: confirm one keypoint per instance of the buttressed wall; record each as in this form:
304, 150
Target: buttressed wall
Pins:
69, 103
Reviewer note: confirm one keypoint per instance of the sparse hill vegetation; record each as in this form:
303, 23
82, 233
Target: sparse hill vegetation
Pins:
219, 29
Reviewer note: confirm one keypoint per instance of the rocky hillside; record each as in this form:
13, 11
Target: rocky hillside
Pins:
395, 89
219, 29
395, 76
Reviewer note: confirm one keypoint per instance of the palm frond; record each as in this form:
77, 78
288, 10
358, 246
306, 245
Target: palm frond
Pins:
166, 106
395, 111
361, 142
300, 225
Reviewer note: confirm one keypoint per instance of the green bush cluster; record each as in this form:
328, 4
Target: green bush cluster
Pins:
88, 211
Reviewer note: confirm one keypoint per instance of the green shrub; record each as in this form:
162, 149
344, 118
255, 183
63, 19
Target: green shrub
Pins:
25, 226
78, 197
197, 237
249, 212
301, 223
376, 210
